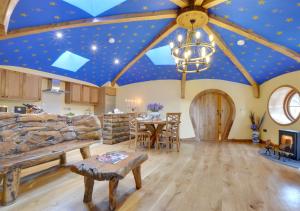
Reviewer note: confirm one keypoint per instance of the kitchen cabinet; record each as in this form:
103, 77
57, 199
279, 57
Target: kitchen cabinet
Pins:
2, 83
13, 85
107, 100
94, 95
32, 87
19, 86
85, 97
77, 93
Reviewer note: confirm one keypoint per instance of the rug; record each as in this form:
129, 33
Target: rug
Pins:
286, 161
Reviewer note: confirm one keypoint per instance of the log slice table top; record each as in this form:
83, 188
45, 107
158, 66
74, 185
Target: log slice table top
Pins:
98, 170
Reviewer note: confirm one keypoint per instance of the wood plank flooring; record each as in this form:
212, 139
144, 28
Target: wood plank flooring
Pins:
202, 176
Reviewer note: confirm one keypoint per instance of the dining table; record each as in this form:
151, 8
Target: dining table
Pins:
155, 127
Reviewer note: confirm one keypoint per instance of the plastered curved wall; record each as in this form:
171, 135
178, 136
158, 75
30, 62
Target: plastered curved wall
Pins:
167, 92
267, 88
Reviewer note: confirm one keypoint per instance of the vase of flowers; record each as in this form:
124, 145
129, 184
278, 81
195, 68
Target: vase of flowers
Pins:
154, 109
256, 123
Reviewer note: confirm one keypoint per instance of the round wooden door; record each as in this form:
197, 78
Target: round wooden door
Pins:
212, 113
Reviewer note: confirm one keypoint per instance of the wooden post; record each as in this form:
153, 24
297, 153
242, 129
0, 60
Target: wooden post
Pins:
137, 177
113, 184
63, 159
85, 152
11, 182
88, 192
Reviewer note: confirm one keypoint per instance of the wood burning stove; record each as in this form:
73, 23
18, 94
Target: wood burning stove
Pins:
292, 138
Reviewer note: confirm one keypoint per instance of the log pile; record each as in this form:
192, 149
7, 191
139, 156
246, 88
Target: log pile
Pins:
115, 128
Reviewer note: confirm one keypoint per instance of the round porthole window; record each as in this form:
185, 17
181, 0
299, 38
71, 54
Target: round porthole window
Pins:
284, 105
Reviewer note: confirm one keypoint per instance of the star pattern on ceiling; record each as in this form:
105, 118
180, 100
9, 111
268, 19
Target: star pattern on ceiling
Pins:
276, 20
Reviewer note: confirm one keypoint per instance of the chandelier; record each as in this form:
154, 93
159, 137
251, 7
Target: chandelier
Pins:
192, 54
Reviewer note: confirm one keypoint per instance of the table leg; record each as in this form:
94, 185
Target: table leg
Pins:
113, 184
85, 152
137, 177
152, 129
88, 192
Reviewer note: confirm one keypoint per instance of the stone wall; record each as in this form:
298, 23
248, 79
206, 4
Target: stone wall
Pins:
21, 133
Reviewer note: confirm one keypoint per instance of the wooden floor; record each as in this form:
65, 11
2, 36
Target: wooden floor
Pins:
203, 176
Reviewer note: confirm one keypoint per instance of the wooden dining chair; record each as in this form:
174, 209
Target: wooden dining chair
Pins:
170, 135
138, 136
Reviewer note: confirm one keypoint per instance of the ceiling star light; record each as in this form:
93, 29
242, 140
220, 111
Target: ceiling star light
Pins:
111, 40
59, 35
192, 54
94, 47
241, 42
116, 61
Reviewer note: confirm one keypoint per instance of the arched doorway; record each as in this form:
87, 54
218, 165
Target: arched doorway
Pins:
212, 113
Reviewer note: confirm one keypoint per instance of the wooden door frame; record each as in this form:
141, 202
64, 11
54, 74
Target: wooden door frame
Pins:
229, 124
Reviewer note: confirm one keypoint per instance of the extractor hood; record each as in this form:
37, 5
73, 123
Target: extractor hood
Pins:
53, 87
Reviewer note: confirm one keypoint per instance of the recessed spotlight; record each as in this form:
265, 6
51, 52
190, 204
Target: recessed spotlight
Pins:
116, 61
94, 47
111, 40
59, 35
241, 42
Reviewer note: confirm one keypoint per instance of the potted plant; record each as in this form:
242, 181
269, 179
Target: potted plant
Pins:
154, 109
256, 123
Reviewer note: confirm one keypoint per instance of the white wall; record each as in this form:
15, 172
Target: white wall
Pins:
167, 92
52, 103
267, 88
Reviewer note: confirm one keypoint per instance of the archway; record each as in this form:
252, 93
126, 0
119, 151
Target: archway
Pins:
212, 113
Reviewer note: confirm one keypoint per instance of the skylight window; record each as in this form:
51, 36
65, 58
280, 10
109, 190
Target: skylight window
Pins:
94, 7
161, 56
70, 61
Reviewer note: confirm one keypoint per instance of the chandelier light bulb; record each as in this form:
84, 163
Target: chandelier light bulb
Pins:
186, 54
179, 38
203, 52
207, 59
213, 43
171, 45
176, 51
176, 61
189, 53
211, 38
198, 35
197, 65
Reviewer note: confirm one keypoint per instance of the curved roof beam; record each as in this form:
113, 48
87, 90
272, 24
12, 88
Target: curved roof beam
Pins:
132, 17
219, 41
6, 9
211, 3
163, 34
252, 36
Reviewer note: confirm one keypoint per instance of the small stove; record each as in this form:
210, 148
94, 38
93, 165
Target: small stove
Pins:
293, 137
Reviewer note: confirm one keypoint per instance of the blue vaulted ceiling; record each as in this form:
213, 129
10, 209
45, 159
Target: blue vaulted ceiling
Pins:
276, 20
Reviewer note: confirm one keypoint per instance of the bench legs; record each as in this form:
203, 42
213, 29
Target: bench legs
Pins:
88, 192
113, 184
11, 182
63, 159
137, 177
85, 152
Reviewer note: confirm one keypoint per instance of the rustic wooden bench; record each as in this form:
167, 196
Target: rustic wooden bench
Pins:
92, 169
11, 165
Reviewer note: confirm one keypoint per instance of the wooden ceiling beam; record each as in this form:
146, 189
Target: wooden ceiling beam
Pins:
211, 3
158, 15
198, 2
219, 41
252, 36
6, 9
181, 3
163, 34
